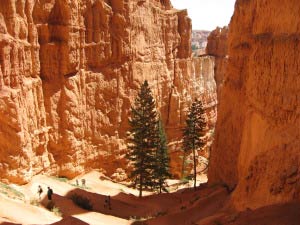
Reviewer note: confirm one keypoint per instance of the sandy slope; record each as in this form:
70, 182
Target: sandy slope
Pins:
19, 212
125, 203
204, 206
29, 214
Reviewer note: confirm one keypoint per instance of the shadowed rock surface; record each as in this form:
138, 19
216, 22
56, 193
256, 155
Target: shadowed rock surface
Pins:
256, 150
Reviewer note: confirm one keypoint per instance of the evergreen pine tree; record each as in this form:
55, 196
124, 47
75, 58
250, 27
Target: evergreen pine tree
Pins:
193, 133
143, 136
162, 158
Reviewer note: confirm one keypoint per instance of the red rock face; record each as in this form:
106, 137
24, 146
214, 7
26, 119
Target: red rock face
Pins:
256, 152
202, 73
71, 69
217, 47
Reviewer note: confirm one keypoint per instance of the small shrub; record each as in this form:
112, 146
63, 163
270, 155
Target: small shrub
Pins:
161, 213
184, 180
217, 222
61, 179
139, 223
194, 200
34, 201
82, 201
10, 191
183, 207
81, 187
56, 211
137, 220
4, 192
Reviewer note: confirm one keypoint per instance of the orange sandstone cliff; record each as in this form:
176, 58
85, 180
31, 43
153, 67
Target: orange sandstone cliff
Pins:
256, 151
217, 46
202, 73
69, 71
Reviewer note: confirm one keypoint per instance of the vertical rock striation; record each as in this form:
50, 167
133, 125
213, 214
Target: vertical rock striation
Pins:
256, 152
202, 74
69, 72
23, 130
217, 47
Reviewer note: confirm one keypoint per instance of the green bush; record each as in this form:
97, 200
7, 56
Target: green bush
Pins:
82, 202
81, 187
61, 179
34, 201
10, 191
56, 211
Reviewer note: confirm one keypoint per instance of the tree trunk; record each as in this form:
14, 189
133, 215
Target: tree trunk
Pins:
160, 184
195, 172
183, 165
141, 186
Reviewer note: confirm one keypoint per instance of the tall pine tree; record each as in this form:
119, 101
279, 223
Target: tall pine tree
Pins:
193, 133
162, 158
142, 140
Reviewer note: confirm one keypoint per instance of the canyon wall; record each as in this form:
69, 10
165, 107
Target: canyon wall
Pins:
203, 68
70, 71
202, 71
217, 46
256, 152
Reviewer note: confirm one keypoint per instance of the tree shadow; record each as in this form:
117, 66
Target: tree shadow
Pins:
123, 205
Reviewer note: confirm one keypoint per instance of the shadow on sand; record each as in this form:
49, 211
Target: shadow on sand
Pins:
128, 206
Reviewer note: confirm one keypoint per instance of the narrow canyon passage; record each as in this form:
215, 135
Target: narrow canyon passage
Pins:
70, 72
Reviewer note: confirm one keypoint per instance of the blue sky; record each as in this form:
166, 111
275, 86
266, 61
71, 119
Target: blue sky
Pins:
207, 14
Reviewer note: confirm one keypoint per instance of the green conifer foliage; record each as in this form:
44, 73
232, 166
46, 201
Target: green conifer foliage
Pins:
193, 133
162, 158
143, 136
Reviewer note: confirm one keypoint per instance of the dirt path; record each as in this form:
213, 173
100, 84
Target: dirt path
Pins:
126, 207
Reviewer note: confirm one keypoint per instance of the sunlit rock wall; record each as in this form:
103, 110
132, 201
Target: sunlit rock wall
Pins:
70, 71
203, 78
217, 46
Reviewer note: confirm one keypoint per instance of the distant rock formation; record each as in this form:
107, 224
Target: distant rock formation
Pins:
199, 42
256, 152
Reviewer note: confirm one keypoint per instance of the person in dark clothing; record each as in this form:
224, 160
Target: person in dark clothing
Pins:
83, 182
49, 193
107, 202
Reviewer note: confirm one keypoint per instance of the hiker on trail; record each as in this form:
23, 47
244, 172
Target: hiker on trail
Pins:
107, 202
49, 193
83, 182
40, 191
77, 183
